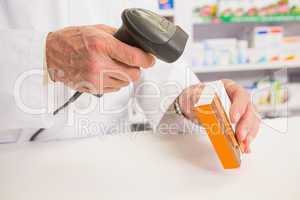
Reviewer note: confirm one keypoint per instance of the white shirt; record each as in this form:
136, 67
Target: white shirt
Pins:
26, 103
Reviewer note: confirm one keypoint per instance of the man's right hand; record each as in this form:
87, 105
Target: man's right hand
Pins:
89, 59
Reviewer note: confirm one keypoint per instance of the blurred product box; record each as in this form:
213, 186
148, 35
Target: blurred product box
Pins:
269, 92
243, 51
224, 50
216, 52
239, 8
206, 8
166, 4
294, 6
247, 10
267, 45
290, 50
267, 36
198, 54
257, 56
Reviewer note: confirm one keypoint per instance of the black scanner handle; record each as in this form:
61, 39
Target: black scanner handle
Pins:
124, 37
152, 33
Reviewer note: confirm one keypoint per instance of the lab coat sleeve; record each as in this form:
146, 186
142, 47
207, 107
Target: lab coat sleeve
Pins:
156, 93
22, 92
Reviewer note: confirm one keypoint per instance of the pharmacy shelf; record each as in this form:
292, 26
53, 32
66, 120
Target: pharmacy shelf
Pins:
245, 67
245, 19
272, 108
202, 32
283, 109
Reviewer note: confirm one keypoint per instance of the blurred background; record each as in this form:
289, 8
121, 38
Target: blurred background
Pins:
254, 42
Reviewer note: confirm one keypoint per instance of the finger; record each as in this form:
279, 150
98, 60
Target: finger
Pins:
96, 92
108, 29
129, 55
120, 76
255, 128
247, 143
117, 71
240, 100
110, 90
100, 82
252, 134
124, 72
97, 87
245, 124
85, 87
235, 92
86, 90
116, 83
230, 86
247, 149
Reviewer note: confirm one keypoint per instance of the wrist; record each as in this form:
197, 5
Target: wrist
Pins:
177, 107
179, 111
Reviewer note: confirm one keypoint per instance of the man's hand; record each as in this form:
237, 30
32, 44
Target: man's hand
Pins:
90, 59
242, 112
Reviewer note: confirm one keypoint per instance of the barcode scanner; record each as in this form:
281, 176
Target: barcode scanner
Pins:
153, 34
148, 31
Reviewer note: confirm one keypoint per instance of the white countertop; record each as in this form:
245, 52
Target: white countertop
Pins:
147, 166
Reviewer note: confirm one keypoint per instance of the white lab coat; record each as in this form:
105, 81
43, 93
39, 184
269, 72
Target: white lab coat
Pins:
26, 103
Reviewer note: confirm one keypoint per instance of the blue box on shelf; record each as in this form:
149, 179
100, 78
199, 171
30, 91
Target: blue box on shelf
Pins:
166, 4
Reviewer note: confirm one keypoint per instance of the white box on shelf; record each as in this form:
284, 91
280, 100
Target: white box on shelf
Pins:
267, 36
224, 51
